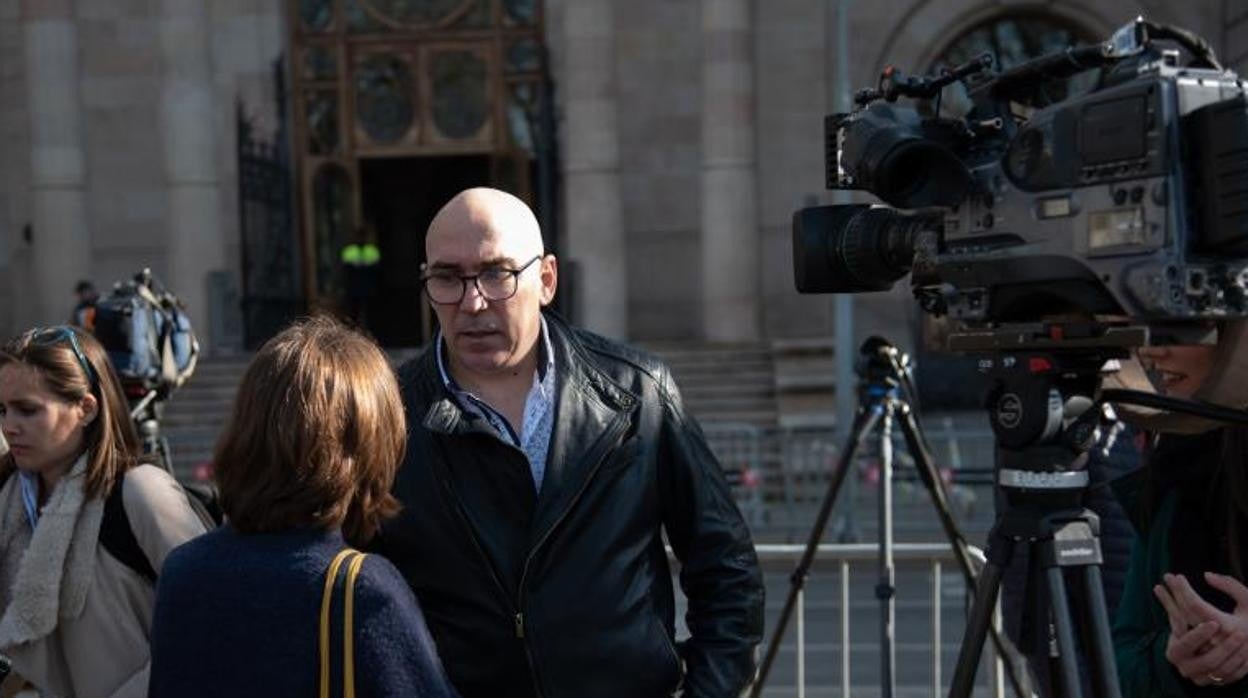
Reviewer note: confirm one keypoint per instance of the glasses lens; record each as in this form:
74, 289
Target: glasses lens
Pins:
444, 288
497, 284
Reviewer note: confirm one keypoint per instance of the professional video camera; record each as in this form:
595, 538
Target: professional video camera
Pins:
1130, 200
1055, 236
150, 343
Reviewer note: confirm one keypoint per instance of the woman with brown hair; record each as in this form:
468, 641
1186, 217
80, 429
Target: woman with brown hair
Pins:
259, 607
1182, 626
74, 611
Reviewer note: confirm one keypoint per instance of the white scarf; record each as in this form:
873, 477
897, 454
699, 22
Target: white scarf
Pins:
57, 567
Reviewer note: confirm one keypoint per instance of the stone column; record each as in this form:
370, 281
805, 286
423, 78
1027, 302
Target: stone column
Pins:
61, 240
591, 169
730, 236
196, 244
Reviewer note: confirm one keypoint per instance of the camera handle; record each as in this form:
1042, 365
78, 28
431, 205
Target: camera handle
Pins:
1207, 410
894, 84
882, 394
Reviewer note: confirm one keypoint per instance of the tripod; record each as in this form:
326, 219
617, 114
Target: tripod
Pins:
1045, 420
146, 413
883, 389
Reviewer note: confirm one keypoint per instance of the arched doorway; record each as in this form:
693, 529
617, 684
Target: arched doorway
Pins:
399, 104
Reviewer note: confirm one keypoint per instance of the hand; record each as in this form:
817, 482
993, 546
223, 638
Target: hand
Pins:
1220, 657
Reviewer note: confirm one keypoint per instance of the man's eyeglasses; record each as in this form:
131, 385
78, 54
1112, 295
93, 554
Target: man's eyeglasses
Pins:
446, 287
54, 335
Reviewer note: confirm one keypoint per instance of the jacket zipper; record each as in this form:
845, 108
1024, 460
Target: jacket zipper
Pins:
515, 608
463, 518
617, 430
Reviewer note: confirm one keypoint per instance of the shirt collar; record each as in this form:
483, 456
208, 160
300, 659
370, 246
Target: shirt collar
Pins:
29, 483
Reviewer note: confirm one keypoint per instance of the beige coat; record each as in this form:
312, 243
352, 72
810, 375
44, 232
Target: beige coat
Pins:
75, 621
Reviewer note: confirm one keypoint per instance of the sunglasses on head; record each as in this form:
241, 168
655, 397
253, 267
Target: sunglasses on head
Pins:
50, 336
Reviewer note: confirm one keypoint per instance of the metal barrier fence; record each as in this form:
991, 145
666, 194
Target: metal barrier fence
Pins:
779, 474
933, 556
937, 559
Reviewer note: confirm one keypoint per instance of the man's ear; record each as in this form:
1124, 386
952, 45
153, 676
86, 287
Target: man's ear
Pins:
550, 278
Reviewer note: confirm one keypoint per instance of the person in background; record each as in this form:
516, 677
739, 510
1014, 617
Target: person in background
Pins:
304, 468
361, 264
74, 617
544, 466
1182, 624
85, 297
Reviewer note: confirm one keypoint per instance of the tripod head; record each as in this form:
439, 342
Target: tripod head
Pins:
1041, 409
1046, 405
882, 369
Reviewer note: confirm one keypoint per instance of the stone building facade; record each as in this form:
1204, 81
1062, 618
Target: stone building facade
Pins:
687, 132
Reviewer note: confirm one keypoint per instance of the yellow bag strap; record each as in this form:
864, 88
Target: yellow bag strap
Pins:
348, 640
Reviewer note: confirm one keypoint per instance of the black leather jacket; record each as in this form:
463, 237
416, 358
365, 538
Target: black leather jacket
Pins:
568, 593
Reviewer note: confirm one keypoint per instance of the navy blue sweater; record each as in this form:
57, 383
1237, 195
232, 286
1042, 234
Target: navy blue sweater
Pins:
237, 615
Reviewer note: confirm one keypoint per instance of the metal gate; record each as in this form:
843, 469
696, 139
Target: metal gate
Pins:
271, 287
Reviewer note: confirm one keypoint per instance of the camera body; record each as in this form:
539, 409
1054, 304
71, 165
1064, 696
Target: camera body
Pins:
1130, 200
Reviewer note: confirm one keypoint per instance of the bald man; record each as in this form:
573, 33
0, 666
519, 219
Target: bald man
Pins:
543, 465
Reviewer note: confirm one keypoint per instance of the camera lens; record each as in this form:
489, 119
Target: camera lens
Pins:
854, 248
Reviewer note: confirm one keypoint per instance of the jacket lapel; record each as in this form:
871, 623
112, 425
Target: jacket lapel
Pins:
476, 506
592, 416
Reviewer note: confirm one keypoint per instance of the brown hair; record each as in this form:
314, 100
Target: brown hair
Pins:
316, 435
110, 439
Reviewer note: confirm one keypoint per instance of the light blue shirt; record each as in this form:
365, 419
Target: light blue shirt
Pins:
29, 483
539, 408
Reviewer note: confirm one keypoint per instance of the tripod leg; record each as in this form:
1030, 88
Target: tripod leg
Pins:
884, 588
1015, 664
1000, 549
864, 424
1102, 639
1064, 627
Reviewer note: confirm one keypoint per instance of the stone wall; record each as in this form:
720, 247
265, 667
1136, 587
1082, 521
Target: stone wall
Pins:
248, 38
120, 75
14, 172
659, 67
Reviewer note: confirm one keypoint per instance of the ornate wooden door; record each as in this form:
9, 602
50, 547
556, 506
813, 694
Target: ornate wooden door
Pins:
407, 79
